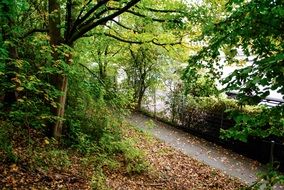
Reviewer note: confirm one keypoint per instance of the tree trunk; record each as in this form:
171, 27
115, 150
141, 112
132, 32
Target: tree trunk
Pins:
62, 85
140, 98
59, 81
155, 103
139, 103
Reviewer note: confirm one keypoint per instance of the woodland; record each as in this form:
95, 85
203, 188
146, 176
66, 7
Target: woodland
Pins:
71, 71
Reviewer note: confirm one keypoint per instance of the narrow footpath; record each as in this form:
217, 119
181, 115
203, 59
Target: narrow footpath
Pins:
209, 153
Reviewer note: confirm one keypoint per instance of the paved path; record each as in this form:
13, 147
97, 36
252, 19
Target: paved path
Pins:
229, 162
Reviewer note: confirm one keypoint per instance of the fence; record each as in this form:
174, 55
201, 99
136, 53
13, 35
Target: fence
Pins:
207, 125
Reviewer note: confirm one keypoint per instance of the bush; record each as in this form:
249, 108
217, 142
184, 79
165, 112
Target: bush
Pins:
6, 142
51, 158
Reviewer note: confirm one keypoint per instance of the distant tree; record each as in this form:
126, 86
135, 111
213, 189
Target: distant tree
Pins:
142, 69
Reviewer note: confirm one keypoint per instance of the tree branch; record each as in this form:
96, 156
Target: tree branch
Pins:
94, 74
156, 42
123, 26
159, 10
82, 10
121, 39
68, 18
84, 29
33, 31
144, 16
79, 20
90, 20
117, 38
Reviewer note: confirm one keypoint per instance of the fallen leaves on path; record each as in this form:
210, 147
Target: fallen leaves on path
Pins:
170, 169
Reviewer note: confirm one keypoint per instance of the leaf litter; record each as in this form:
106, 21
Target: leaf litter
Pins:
168, 169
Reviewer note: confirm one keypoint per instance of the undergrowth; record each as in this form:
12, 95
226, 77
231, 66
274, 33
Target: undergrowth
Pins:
112, 152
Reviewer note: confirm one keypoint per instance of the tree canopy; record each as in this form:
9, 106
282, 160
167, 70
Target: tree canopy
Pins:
54, 27
254, 29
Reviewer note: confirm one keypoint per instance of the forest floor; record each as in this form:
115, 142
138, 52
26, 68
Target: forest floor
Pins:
41, 166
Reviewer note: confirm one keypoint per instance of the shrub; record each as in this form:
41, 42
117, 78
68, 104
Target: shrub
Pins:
6, 142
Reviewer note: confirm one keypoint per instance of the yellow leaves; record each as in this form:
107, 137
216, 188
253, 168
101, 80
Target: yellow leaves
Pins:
8, 43
19, 89
46, 141
14, 168
45, 47
11, 180
112, 3
16, 80
54, 104
41, 37
19, 63
20, 100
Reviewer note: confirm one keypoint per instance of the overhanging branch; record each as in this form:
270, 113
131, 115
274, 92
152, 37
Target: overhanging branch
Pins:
144, 16
88, 14
123, 26
84, 29
155, 41
116, 38
159, 10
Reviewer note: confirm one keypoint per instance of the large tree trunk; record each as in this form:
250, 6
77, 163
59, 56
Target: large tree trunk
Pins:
62, 85
59, 81
139, 103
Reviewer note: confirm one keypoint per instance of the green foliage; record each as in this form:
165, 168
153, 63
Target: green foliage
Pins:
93, 125
268, 180
142, 69
194, 111
51, 159
200, 85
33, 95
89, 116
220, 103
266, 123
113, 153
33, 69
6, 142
135, 161
133, 158
255, 29
98, 181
